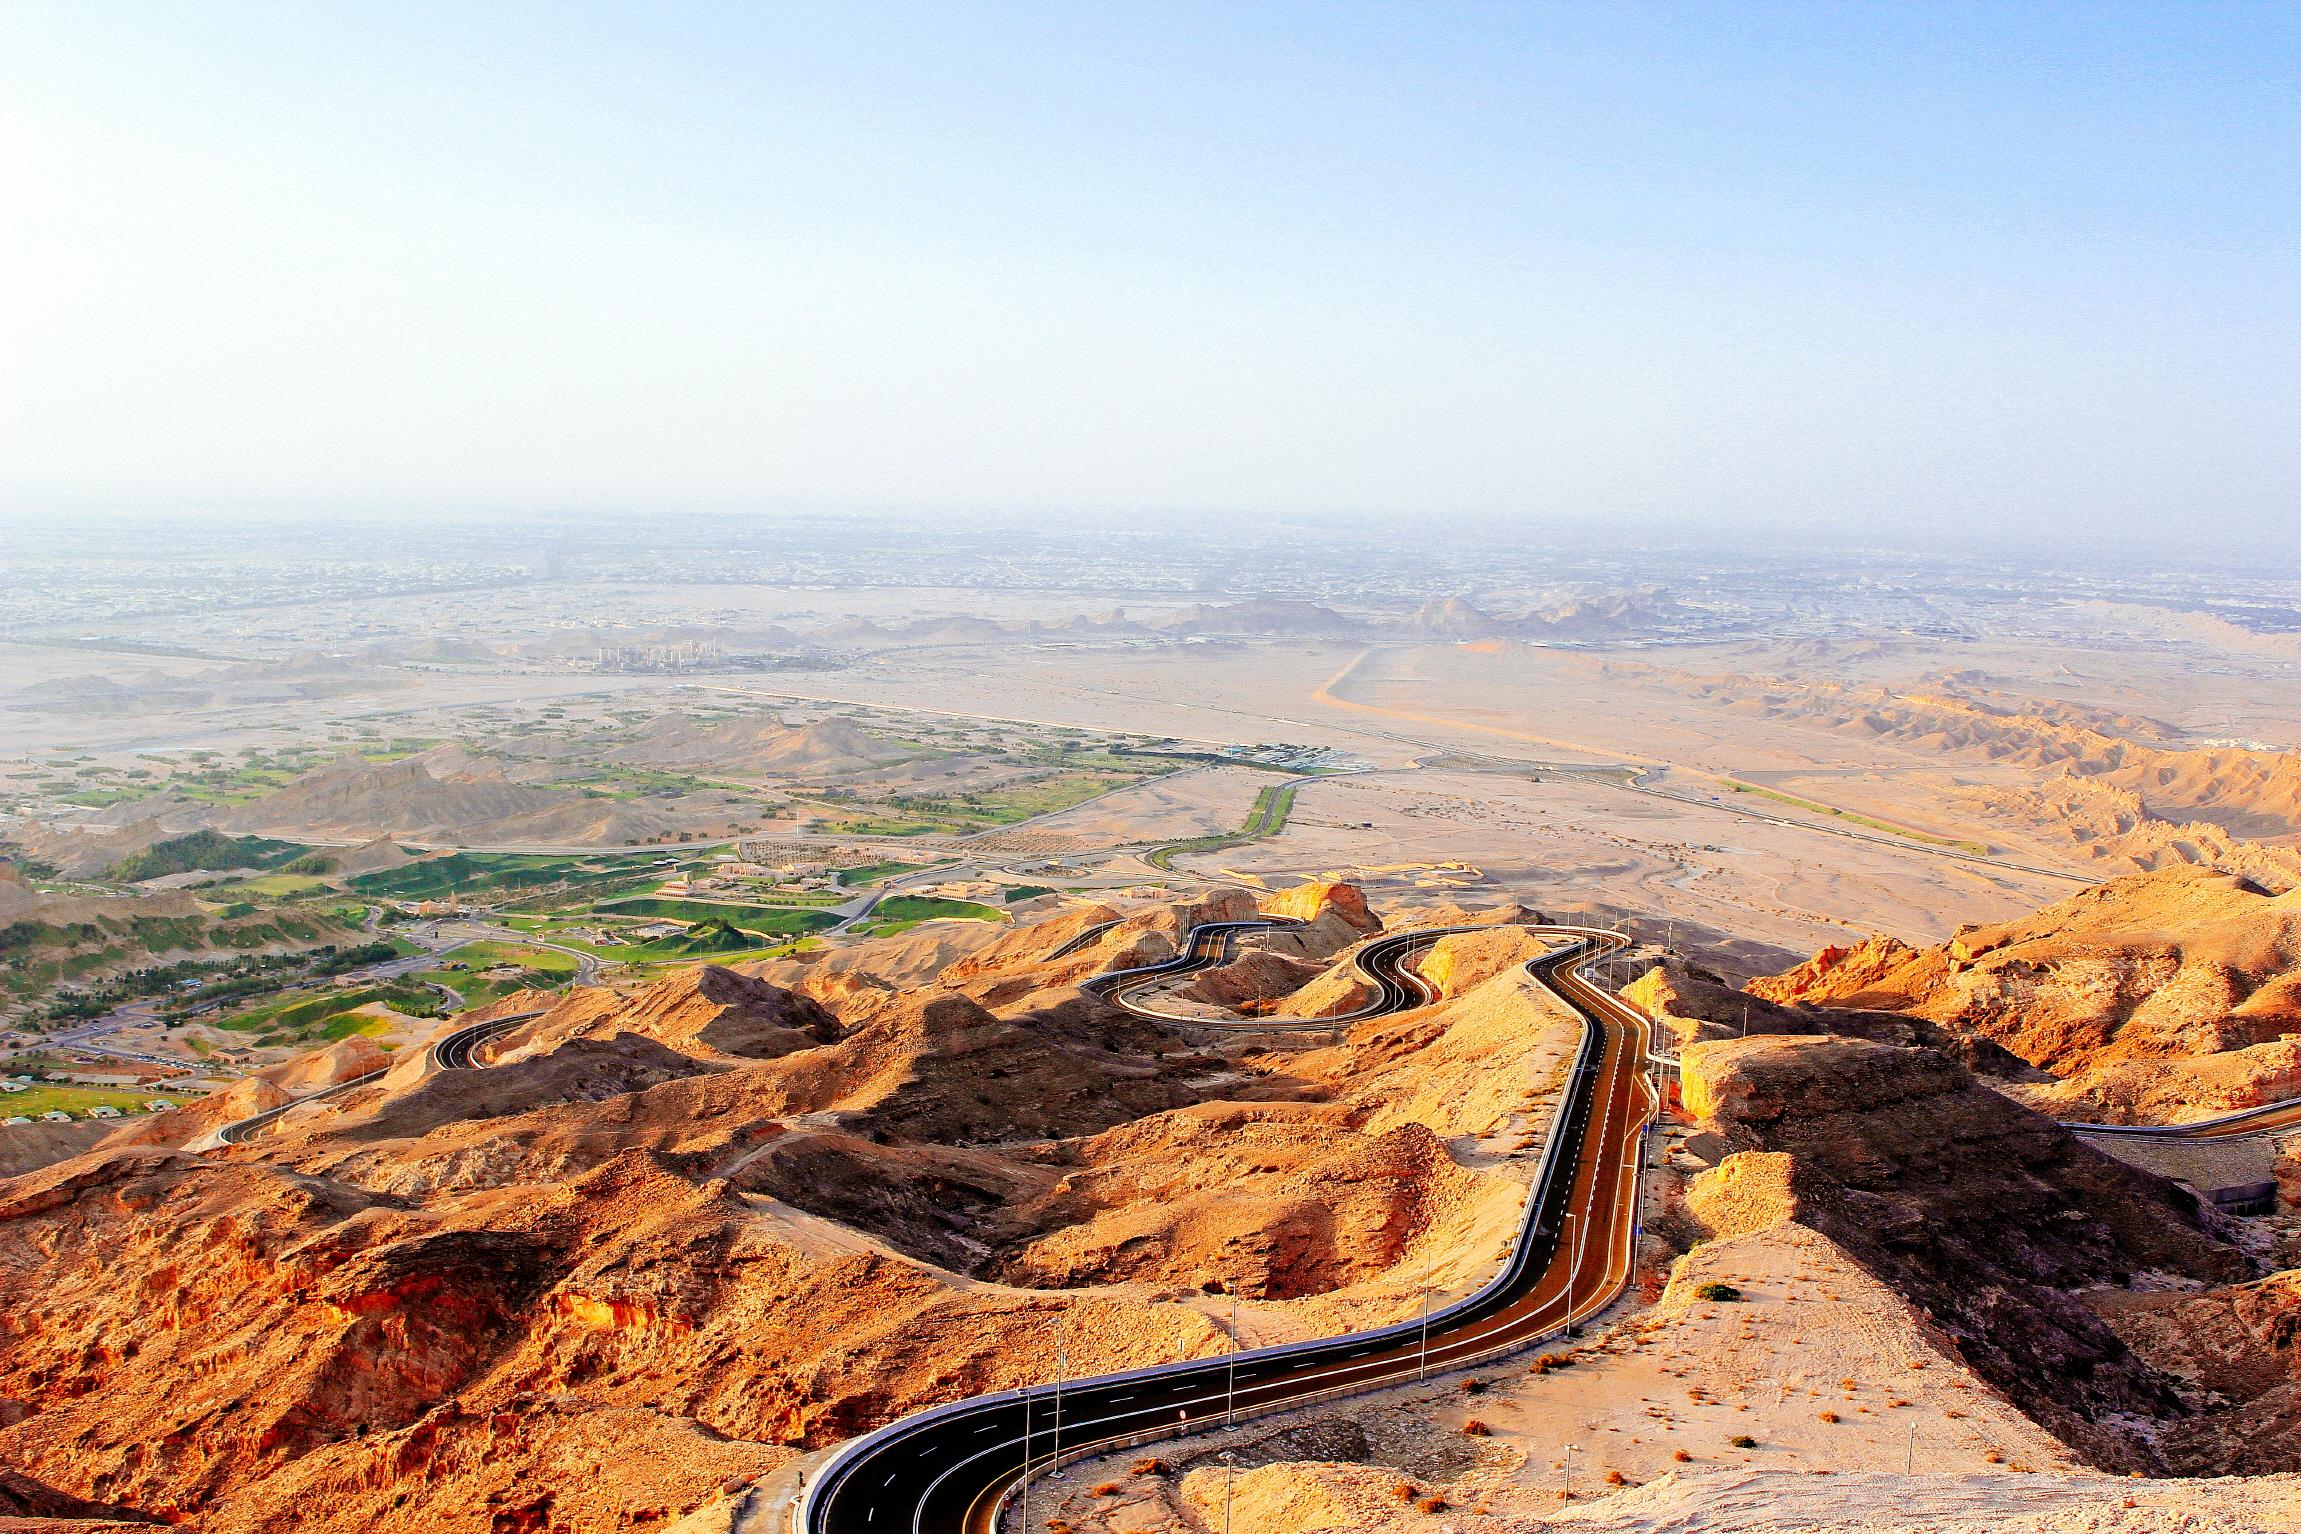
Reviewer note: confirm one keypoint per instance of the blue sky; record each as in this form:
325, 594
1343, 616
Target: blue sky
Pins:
1913, 266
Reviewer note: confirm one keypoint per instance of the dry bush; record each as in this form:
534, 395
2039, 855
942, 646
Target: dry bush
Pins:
1681, 1456
1432, 1504
1616, 1478
1404, 1491
1477, 1429
1150, 1466
1829, 1416
1107, 1489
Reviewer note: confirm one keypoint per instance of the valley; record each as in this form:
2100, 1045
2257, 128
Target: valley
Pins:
629, 1098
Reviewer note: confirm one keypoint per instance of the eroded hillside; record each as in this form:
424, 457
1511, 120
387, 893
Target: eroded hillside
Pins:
669, 1241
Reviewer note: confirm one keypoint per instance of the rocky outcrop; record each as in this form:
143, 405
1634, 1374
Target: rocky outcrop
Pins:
709, 1013
1990, 1217
1273, 1202
668, 1241
1694, 1005
1333, 915
1252, 981
2238, 1352
2162, 996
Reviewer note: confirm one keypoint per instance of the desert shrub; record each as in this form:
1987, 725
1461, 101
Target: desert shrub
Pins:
1477, 1429
1151, 1465
1829, 1416
1471, 1387
1107, 1489
1681, 1456
1726, 1293
1404, 1491
1616, 1478
1432, 1504
1743, 1441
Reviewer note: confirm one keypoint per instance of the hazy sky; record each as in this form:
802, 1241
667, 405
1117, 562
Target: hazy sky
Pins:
1888, 265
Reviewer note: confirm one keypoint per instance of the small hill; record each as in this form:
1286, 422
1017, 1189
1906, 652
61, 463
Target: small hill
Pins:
199, 851
352, 797
1261, 616
763, 745
712, 936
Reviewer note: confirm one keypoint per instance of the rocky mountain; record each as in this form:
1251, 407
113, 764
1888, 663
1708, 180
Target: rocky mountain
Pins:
2166, 995
667, 1240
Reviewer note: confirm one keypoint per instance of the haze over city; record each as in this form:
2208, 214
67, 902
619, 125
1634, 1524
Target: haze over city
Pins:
1142, 769
1944, 267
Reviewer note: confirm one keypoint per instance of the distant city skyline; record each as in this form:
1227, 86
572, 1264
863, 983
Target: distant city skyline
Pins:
1981, 274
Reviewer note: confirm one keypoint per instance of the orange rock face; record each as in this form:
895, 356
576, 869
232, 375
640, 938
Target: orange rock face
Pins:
2166, 995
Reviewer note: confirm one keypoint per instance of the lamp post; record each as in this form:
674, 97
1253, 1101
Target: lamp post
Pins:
1422, 1364
1229, 1475
1230, 1388
1566, 1487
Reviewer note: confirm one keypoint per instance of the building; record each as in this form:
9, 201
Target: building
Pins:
56, 1116
103, 1111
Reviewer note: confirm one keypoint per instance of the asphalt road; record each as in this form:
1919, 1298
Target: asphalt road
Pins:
1382, 963
2268, 1118
454, 1051
945, 1470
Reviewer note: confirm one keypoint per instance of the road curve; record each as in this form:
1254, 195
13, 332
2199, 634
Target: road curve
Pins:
1381, 962
949, 1469
453, 1051
2266, 1119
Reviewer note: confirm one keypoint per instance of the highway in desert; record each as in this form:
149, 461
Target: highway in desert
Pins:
969, 1467
954, 1469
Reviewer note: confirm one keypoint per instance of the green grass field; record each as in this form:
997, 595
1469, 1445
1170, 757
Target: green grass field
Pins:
927, 814
1979, 849
495, 874
42, 1097
333, 1015
490, 954
872, 873
540, 969
1267, 818
270, 886
900, 913
766, 920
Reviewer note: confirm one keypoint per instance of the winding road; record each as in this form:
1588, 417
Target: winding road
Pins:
456, 1050
952, 1469
961, 1468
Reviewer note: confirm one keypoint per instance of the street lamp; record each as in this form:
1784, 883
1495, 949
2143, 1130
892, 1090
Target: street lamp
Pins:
1230, 1389
1229, 1475
1422, 1364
